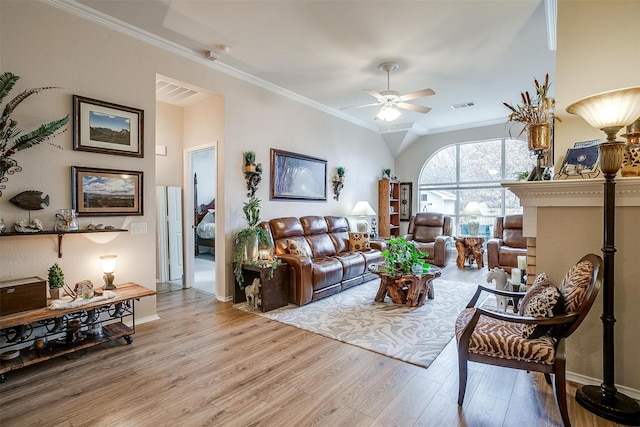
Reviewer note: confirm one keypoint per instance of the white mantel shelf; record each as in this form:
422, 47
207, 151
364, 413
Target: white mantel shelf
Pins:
574, 192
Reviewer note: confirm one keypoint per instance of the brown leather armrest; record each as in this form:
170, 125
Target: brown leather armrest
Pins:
493, 250
300, 278
408, 236
378, 244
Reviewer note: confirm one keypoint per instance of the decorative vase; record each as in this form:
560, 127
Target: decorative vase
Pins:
539, 136
250, 168
251, 252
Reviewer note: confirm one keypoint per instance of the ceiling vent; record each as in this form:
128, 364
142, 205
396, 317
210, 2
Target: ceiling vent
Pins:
463, 105
176, 94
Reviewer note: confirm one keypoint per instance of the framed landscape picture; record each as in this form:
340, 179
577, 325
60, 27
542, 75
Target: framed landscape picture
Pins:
103, 127
298, 177
101, 192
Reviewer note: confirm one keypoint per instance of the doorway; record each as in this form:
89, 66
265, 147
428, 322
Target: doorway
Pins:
203, 171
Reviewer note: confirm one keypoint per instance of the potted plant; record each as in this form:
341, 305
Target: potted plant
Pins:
250, 161
386, 173
536, 113
341, 171
248, 240
56, 281
12, 138
403, 257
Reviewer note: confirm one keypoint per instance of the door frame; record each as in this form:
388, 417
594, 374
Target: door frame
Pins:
187, 217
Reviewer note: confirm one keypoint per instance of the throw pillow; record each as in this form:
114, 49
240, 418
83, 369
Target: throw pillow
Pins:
541, 282
575, 284
359, 242
545, 301
295, 248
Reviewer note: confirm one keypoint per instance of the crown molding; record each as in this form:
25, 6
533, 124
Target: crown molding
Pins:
107, 21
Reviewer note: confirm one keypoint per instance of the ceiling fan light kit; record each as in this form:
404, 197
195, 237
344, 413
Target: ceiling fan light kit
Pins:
391, 100
388, 113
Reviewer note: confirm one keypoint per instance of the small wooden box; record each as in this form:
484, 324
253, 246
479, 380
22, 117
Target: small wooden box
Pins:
24, 294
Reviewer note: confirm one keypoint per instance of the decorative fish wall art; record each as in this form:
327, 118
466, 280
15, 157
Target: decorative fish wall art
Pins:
31, 200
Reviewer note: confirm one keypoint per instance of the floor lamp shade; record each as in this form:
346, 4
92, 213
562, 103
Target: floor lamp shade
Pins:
610, 112
362, 209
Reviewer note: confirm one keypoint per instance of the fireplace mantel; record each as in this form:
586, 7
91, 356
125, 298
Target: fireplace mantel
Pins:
569, 193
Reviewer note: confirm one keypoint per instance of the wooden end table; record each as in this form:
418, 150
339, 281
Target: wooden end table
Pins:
407, 289
470, 250
274, 292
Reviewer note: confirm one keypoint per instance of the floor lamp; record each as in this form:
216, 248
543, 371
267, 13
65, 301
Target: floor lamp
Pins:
610, 112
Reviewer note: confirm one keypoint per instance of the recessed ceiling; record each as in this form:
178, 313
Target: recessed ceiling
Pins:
327, 52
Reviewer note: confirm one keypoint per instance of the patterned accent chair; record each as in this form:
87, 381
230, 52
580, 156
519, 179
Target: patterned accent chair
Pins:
496, 338
431, 232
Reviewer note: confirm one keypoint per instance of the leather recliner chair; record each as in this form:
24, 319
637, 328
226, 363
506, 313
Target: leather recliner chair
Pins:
431, 232
507, 243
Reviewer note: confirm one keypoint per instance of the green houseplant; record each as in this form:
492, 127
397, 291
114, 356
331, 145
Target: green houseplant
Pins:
56, 281
12, 138
404, 257
250, 161
247, 241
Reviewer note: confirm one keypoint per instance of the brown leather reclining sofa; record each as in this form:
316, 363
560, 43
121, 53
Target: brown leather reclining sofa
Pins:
331, 268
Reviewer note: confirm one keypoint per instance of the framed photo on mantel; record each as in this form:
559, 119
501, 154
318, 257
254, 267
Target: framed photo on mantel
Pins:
406, 189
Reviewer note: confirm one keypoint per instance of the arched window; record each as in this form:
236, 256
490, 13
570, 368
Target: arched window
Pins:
466, 172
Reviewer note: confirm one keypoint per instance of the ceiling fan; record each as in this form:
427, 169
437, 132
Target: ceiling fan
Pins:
391, 99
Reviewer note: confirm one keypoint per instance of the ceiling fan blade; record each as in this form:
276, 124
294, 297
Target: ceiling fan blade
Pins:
375, 94
417, 94
413, 107
360, 106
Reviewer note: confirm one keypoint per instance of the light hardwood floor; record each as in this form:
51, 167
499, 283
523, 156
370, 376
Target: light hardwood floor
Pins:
206, 363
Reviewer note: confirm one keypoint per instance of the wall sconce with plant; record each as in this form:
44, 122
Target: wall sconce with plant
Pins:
252, 172
338, 181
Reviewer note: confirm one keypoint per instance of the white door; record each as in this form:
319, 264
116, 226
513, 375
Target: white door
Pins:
162, 240
174, 211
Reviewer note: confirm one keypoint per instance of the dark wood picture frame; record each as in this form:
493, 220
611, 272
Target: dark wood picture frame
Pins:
103, 127
106, 192
406, 194
297, 176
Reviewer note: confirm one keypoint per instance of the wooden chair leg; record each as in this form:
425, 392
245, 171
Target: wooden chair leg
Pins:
561, 391
462, 376
548, 378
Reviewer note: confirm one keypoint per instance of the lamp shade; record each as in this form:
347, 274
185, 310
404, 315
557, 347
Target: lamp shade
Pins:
363, 208
108, 263
388, 113
616, 108
472, 208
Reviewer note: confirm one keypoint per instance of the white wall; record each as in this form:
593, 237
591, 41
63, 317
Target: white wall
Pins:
87, 59
169, 133
597, 52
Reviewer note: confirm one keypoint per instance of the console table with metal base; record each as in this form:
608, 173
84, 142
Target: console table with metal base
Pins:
43, 333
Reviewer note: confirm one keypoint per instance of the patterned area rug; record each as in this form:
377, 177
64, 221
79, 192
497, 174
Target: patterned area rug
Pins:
415, 335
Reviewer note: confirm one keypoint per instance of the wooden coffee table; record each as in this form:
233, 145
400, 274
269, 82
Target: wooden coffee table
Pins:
407, 289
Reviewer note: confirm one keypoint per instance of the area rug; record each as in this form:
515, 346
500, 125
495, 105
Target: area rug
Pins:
412, 334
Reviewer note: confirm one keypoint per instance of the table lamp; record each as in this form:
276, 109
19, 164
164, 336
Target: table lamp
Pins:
472, 209
108, 263
609, 112
363, 209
